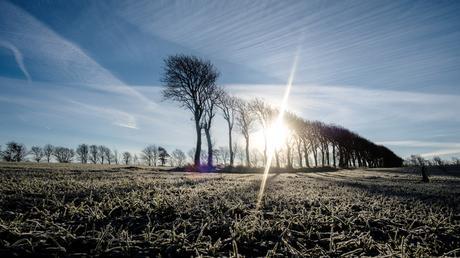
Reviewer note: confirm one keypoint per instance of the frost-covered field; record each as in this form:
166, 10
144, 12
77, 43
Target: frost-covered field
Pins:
73, 210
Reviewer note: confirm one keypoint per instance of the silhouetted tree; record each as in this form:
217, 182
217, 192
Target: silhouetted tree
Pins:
245, 120
224, 154
82, 153
93, 154
37, 153
227, 104
179, 157
265, 114
101, 149
48, 152
63, 154
188, 80
116, 157
163, 155
126, 157
213, 94
150, 155
14, 152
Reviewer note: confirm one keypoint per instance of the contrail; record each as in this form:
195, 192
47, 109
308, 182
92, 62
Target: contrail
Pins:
18, 56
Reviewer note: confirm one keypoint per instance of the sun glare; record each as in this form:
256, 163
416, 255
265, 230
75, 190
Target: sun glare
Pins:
277, 135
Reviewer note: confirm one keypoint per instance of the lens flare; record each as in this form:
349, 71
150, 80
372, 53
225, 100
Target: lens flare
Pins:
277, 125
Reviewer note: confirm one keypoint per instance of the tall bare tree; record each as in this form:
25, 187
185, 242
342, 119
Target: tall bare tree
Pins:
93, 154
101, 149
163, 155
245, 120
213, 94
82, 153
187, 80
14, 152
63, 154
48, 151
228, 106
179, 157
265, 115
150, 155
37, 153
126, 157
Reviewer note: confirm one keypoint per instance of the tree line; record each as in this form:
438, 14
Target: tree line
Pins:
192, 83
151, 155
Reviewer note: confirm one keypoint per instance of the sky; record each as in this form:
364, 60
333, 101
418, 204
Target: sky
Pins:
76, 72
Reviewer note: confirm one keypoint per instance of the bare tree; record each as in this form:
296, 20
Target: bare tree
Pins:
101, 149
213, 94
191, 154
93, 154
163, 155
150, 155
115, 156
225, 154
135, 159
14, 152
255, 153
126, 157
419, 161
63, 154
227, 104
179, 157
265, 115
239, 154
82, 153
48, 152
107, 153
438, 161
37, 153
188, 80
245, 120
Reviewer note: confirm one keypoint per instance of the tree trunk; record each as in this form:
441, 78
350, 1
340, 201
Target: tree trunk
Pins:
230, 145
288, 154
248, 163
299, 152
322, 155
265, 148
277, 158
198, 143
424, 175
315, 155
207, 131
305, 149
333, 154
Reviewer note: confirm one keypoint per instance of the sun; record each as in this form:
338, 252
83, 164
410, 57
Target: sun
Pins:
277, 135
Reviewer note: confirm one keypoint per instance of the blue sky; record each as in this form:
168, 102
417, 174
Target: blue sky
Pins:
88, 71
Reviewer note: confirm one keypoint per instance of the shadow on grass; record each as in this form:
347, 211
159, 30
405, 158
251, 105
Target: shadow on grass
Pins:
401, 188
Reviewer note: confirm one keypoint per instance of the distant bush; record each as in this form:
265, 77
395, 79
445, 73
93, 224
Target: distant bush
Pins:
14, 152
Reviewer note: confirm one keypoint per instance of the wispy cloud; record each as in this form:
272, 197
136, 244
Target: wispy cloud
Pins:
422, 144
116, 117
17, 56
443, 152
59, 59
442, 149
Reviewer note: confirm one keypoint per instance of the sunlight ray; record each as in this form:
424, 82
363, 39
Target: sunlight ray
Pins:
277, 124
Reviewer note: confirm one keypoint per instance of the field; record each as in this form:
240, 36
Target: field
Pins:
76, 210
